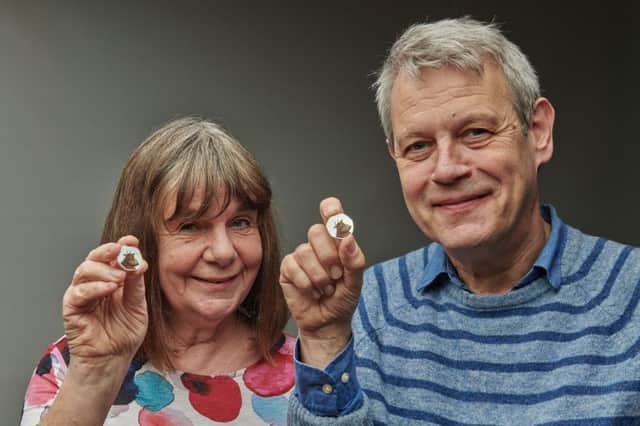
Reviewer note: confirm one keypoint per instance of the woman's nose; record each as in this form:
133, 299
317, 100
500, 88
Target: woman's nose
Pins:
220, 248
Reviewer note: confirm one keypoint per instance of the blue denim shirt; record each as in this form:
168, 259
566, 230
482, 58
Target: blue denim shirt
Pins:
547, 263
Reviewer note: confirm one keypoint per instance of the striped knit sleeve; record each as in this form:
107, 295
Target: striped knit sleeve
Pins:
300, 416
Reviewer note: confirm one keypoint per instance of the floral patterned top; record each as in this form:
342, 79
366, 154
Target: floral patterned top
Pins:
256, 395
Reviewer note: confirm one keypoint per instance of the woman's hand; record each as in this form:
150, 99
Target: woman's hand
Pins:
104, 309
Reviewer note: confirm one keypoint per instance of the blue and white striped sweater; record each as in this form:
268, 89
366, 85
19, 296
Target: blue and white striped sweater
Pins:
535, 355
530, 356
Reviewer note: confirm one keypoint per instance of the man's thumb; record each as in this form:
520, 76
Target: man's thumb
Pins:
353, 260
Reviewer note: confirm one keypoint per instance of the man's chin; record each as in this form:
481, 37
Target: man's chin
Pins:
462, 237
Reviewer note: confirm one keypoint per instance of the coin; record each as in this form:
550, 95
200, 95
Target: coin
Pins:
340, 226
129, 258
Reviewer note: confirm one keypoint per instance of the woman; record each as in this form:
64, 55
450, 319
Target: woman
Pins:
195, 334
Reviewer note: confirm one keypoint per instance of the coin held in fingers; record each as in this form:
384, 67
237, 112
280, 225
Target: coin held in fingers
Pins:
340, 226
129, 258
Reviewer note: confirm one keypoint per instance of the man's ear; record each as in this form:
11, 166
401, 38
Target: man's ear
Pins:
540, 132
390, 148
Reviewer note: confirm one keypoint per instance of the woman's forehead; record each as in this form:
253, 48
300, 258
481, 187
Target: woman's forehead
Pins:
198, 203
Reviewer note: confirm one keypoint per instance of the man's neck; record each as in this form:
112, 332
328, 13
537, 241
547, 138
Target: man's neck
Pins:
497, 270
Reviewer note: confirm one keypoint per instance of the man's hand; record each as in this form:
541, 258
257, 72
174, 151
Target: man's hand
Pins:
321, 282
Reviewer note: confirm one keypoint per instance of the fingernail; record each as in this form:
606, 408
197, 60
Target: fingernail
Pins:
315, 293
329, 290
336, 272
351, 246
117, 274
331, 209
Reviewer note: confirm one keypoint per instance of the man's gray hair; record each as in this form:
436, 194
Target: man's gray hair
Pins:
463, 43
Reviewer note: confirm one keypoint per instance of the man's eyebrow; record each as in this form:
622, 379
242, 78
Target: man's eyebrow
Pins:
408, 135
459, 119
411, 134
466, 119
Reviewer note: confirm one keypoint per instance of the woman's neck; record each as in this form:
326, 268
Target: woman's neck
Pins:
214, 348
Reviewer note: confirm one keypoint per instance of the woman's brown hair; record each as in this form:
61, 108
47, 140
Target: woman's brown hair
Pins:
183, 156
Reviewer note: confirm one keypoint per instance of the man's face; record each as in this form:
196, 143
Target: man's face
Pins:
468, 172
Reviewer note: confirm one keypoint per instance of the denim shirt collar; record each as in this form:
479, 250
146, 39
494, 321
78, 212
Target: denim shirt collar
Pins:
547, 264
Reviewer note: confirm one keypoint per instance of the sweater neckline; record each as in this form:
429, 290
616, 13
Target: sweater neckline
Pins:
511, 299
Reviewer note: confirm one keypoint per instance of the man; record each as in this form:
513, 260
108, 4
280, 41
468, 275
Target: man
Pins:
510, 316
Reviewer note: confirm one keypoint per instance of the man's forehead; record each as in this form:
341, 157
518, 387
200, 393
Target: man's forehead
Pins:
448, 77
440, 88
432, 76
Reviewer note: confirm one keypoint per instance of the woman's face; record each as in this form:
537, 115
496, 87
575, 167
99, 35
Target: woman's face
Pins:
207, 266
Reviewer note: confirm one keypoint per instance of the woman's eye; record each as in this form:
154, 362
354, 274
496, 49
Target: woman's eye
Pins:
241, 223
187, 227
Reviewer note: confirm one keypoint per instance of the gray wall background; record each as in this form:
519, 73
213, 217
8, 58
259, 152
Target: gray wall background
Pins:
82, 84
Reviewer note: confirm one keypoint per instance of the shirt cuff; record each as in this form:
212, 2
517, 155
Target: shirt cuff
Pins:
332, 392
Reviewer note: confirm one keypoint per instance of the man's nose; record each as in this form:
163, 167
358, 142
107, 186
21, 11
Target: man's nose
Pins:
449, 163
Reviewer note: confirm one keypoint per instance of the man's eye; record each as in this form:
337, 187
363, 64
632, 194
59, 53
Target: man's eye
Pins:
476, 132
418, 150
417, 146
476, 137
